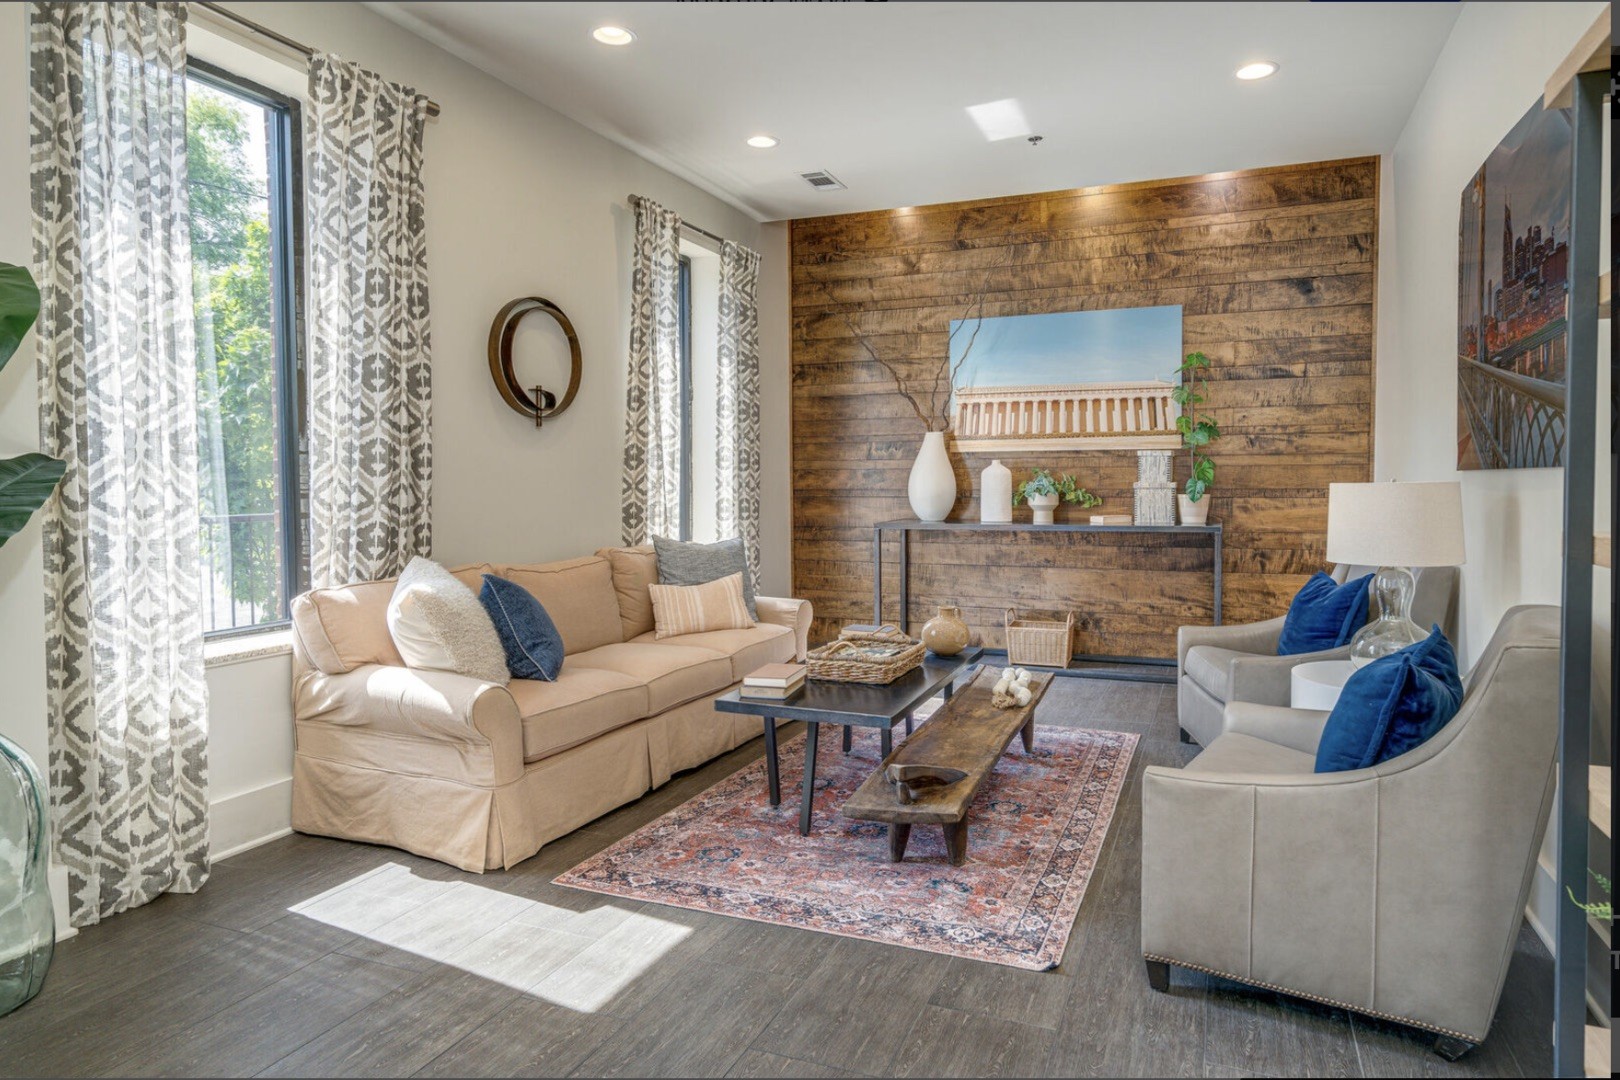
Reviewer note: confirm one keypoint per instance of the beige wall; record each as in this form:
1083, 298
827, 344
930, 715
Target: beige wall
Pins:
520, 201
1492, 69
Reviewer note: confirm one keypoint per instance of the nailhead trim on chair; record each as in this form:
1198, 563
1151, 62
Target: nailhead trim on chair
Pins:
1409, 1022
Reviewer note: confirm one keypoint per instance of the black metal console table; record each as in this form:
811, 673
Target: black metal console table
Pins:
906, 527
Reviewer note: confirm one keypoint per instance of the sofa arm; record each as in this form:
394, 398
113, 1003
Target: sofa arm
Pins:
399, 702
1297, 729
794, 614
1260, 638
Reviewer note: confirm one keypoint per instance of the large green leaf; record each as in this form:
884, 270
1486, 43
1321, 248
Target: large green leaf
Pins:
19, 307
26, 482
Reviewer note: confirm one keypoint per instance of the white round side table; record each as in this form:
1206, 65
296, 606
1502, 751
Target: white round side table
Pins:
1316, 685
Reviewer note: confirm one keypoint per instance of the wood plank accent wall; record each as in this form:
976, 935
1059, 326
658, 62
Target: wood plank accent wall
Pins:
1274, 269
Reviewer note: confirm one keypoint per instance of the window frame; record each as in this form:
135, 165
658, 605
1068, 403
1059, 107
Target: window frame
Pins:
285, 197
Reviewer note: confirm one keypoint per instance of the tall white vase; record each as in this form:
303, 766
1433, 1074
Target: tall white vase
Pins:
995, 494
932, 488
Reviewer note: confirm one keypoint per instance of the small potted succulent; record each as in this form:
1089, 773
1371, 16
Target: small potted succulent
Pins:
1197, 432
1043, 491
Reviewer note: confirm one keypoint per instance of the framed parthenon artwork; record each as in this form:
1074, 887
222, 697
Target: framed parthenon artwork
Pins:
1069, 380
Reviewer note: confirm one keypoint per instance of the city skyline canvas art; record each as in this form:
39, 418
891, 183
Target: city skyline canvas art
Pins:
1513, 298
1066, 380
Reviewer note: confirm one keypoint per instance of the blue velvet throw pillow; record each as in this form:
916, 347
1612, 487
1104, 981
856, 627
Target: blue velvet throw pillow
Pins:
534, 649
1324, 614
1392, 705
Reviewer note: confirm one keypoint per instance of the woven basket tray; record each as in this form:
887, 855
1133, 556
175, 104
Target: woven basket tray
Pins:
876, 658
1038, 642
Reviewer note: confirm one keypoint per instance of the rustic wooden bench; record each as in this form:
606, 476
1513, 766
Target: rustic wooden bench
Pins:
934, 775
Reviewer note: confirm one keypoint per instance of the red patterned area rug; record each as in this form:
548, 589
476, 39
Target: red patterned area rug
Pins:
1034, 836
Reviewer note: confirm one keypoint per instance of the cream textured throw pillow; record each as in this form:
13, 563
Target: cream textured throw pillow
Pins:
440, 625
692, 609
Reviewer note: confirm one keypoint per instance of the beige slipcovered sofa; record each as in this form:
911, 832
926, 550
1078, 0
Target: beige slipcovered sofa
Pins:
1395, 890
480, 775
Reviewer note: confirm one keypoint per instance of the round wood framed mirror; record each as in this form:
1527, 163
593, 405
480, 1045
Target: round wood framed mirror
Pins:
545, 404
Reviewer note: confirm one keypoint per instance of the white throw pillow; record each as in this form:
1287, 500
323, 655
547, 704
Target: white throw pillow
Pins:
439, 624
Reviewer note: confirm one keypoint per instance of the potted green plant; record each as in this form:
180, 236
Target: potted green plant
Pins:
1198, 431
26, 480
1043, 491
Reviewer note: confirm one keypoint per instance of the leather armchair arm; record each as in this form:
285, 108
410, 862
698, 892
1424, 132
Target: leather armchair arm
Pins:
1266, 679
794, 614
1259, 638
1297, 729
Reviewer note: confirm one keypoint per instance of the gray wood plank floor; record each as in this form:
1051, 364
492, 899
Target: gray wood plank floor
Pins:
311, 957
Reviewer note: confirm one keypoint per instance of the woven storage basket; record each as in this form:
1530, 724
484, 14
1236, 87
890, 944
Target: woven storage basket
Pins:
875, 658
1038, 642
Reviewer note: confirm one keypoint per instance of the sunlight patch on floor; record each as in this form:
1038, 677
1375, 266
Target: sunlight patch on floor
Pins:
581, 960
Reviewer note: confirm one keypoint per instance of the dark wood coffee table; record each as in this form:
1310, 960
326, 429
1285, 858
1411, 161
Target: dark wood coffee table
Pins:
851, 705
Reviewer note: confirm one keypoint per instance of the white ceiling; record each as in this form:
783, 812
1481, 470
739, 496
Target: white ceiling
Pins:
877, 94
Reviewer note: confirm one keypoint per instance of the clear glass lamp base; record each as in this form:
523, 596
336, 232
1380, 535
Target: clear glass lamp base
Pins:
1393, 629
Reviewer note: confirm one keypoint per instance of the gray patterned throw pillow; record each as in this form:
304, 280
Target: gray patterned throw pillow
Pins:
683, 562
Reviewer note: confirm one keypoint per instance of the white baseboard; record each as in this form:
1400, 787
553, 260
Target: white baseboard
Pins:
58, 879
1542, 908
249, 819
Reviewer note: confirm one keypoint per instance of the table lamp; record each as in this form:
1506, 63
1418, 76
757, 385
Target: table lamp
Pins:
1393, 526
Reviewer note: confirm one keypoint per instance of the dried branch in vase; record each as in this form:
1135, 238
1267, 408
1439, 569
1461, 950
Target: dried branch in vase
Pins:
933, 408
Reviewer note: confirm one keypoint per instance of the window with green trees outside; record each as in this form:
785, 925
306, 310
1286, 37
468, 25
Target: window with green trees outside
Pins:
242, 146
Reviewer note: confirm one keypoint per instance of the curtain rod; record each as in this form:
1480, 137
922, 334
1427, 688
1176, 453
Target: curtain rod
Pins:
280, 39
687, 225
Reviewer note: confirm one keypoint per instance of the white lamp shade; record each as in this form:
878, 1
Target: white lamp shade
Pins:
1395, 524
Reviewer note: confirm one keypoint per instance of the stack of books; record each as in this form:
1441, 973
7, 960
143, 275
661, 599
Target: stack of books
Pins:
774, 681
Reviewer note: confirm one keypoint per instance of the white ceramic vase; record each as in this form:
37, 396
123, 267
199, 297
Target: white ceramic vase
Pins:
995, 494
1193, 513
932, 487
1043, 505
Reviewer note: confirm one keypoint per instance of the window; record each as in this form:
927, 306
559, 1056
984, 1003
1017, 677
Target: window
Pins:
242, 141
683, 339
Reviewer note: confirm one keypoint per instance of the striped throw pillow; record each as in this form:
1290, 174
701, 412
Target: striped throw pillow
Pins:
692, 609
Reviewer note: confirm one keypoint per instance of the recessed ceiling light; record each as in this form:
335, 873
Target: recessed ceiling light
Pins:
613, 35
1260, 69
762, 142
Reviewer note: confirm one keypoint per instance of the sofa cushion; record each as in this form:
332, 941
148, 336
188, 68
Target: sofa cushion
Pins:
578, 595
581, 704
635, 569
686, 562
1233, 753
679, 610
346, 626
438, 623
672, 674
1324, 615
1211, 668
534, 649
1392, 705
764, 643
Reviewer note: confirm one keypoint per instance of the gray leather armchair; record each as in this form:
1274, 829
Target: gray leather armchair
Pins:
1396, 891
1216, 665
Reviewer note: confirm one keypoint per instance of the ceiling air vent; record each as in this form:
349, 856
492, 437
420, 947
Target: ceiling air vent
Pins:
823, 181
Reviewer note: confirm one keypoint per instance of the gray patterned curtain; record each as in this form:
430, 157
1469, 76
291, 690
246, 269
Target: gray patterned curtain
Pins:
737, 456
370, 394
651, 490
117, 388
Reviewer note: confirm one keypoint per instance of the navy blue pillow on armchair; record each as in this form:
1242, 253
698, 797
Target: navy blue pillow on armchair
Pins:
1324, 615
534, 648
1392, 705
